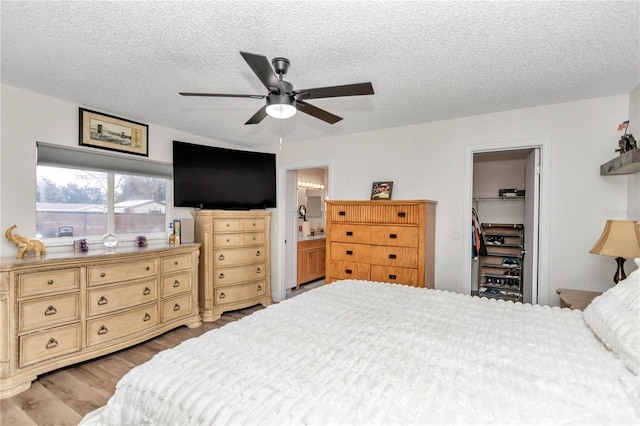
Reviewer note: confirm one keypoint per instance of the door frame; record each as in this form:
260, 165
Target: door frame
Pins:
285, 195
544, 144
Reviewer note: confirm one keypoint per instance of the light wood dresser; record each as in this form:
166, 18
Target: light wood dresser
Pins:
381, 240
235, 262
62, 309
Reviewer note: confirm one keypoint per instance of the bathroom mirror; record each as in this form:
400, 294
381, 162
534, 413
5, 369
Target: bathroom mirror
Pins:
314, 203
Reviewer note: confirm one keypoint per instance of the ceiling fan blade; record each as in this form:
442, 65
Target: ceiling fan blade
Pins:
258, 116
335, 91
261, 66
317, 112
222, 95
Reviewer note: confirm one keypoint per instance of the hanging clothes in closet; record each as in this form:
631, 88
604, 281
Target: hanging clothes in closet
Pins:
477, 240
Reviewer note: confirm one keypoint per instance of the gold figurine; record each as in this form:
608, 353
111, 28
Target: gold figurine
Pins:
25, 244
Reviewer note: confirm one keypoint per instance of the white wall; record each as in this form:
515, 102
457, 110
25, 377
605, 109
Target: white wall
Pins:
426, 161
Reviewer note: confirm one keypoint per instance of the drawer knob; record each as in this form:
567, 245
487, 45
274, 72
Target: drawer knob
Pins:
51, 310
102, 275
176, 263
221, 257
253, 224
342, 213
50, 282
176, 307
258, 270
52, 343
393, 236
102, 301
392, 277
349, 233
258, 253
103, 330
147, 317
176, 284
146, 268
402, 214
222, 296
227, 225
228, 240
348, 271
349, 252
392, 256
221, 275
259, 287
147, 291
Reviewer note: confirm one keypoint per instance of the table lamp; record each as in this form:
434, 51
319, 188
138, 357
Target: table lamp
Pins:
620, 239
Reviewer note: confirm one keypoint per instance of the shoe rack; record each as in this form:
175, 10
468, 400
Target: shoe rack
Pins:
500, 273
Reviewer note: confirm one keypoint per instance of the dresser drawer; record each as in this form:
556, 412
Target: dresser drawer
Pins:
175, 284
237, 256
176, 307
227, 224
351, 252
105, 329
250, 224
374, 212
390, 274
49, 344
45, 282
238, 293
349, 271
175, 263
405, 257
226, 276
108, 299
231, 240
48, 311
125, 271
350, 233
405, 236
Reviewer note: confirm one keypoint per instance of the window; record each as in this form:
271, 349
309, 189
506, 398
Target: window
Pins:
85, 194
76, 203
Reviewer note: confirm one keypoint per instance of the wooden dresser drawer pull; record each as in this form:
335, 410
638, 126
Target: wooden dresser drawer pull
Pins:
349, 252
51, 310
402, 214
392, 277
176, 263
258, 253
103, 330
254, 238
176, 284
227, 225
102, 275
176, 307
342, 213
393, 236
222, 295
147, 291
253, 224
221, 275
102, 301
50, 282
392, 256
348, 271
228, 239
349, 233
221, 257
147, 317
258, 270
52, 343
259, 287
147, 268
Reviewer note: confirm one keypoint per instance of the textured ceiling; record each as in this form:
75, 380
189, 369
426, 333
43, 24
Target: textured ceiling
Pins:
427, 60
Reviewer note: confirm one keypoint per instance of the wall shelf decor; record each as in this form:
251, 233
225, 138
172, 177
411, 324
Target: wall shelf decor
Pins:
625, 164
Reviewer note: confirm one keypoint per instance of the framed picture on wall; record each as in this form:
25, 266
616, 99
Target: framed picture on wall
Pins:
381, 190
113, 133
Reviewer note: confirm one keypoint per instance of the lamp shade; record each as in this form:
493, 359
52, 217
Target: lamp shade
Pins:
620, 238
281, 106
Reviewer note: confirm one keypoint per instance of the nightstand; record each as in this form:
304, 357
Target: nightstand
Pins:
576, 299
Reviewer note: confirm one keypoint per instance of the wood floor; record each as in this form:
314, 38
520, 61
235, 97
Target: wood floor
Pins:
65, 396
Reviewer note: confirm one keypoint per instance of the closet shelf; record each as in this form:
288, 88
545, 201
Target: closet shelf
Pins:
625, 164
498, 198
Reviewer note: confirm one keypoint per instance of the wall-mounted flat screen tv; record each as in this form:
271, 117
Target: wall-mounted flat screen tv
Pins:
221, 178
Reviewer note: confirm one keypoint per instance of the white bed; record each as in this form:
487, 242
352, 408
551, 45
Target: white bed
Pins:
357, 352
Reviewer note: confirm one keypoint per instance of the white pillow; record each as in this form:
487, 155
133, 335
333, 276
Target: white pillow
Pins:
614, 317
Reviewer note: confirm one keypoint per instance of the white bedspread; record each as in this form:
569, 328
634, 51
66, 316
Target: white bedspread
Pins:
361, 353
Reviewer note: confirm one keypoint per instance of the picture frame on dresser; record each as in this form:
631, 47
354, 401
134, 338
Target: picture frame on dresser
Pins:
381, 190
104, 131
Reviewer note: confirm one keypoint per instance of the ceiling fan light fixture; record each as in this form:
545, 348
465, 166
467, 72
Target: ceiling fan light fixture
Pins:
281, 106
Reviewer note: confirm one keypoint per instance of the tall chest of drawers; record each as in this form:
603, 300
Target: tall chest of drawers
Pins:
62, 309
235, 260
381, 240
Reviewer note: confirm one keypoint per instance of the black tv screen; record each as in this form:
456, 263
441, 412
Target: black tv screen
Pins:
221, 178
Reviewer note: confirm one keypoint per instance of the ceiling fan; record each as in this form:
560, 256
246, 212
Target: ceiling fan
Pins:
282, 101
